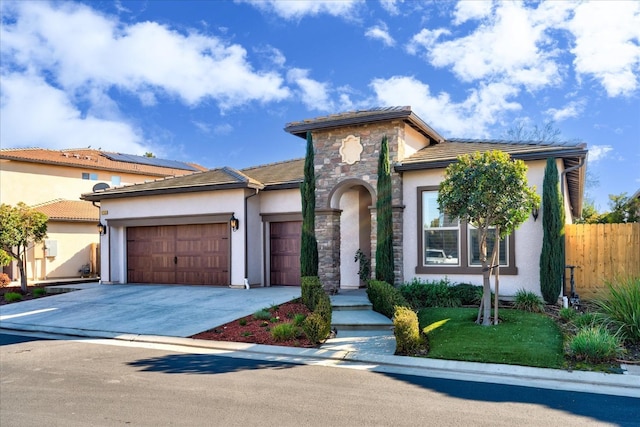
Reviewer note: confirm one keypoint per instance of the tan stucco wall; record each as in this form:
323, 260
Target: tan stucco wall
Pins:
73, 243
34, 183
528, 236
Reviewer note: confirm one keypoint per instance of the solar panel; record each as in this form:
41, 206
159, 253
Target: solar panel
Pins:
150, 161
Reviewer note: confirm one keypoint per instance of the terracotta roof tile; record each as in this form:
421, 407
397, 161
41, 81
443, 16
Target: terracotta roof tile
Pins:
90, 158
69, 210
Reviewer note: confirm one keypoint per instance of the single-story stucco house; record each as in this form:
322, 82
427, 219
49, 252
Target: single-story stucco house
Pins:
180, 230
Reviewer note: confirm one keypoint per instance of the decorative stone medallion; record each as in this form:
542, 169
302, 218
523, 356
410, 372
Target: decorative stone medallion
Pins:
351, 149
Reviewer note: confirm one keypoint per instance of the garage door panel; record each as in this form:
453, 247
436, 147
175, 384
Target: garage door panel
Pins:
183, 254
285, 253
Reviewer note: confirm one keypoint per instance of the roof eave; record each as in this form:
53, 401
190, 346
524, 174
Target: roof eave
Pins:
407, 115
98, 196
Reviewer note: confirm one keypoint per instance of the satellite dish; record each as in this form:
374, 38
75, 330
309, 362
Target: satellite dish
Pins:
100, 186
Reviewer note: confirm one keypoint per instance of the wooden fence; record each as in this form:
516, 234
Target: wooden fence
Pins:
603, 252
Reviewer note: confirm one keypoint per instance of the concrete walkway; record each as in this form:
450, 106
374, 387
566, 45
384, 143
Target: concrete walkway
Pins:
166, 315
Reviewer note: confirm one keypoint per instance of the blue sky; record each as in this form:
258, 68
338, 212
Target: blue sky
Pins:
215, 82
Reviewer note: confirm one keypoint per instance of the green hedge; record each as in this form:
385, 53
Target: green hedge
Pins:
317, 325
311, 291
406, 330
384, 297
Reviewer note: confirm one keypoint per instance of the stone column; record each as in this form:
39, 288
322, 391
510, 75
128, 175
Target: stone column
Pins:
328, 237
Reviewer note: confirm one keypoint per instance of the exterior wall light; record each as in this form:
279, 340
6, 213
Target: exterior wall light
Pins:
535, 212
102, 229
234, 222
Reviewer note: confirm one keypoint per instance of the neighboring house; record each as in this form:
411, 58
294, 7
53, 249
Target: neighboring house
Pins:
178, 230
52, 182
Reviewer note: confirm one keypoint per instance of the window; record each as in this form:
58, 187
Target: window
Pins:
441, 242
448, 246
90, 176
115, 180
474, 247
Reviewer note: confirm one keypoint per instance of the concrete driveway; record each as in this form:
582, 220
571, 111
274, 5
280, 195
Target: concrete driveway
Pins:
111, 310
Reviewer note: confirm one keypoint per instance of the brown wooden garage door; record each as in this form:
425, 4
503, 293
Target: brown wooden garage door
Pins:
285, 253
196, 254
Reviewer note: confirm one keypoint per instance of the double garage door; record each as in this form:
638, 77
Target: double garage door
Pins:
195, 254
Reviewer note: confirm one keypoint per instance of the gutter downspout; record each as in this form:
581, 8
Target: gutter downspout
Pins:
246, 241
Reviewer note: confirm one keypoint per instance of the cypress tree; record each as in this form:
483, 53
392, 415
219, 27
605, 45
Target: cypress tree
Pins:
552, 256
308, 244
384, 249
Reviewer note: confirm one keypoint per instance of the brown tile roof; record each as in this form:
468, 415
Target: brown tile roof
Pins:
96, 159
352, 118
452, 148
271, 176
289, 172
69, 210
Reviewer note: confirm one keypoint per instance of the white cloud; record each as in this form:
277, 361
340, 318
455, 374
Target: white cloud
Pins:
470, 118
380, 32
467, 10
80, 47
34, 114
598, 152
506, 47
298, 9
425, 39
391, 6
571, 110
607, 44
314, 94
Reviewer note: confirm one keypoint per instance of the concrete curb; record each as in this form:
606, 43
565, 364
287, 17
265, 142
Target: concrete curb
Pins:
555, 379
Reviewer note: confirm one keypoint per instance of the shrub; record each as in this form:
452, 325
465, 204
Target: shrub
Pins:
311, 289
284, 332
528, 301
384, 297
323, 307
12, 297
316, 328
262, 314
595, 344
298, 319
38, 292
620, 307
4, 280
586, 320
242, 322
406, 330
429, 294
467, 294
567, 314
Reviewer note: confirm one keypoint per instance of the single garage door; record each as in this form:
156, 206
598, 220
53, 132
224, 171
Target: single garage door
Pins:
196, 254
285, 253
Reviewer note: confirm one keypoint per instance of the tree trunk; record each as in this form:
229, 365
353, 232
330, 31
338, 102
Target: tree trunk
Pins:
486, 278
496, 256
22, 267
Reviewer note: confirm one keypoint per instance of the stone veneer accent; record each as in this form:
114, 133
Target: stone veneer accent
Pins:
330, 171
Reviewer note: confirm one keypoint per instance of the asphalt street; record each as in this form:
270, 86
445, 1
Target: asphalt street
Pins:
79, 382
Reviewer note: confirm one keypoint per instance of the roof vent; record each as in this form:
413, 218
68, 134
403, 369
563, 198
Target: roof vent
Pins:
65, 154
77, 156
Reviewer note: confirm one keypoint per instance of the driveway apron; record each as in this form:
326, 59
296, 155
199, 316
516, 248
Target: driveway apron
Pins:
176, 311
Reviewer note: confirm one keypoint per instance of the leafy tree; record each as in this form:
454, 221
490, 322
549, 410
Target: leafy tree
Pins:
19, 226
308, 244
149, 154
5, 258
384, 249
623, 209
488, 190
552, 255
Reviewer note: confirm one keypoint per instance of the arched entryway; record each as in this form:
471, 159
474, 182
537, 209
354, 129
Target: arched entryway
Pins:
354, 198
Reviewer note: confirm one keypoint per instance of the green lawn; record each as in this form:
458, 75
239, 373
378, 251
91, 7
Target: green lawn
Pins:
521, 338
